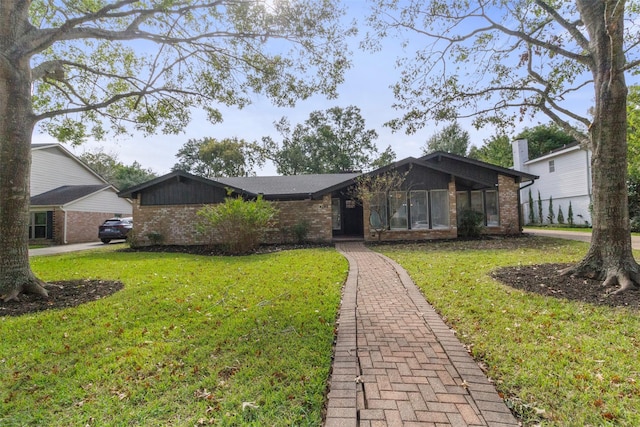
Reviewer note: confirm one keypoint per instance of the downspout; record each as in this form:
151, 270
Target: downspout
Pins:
520, 220
64, 229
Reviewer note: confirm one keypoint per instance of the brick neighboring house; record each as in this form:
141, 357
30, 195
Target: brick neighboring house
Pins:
68, 200
437, 187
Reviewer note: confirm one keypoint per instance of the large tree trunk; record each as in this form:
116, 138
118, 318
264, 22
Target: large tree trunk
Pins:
610, 256
16, 127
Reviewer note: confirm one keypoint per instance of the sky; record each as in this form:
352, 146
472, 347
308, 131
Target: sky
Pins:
367, 85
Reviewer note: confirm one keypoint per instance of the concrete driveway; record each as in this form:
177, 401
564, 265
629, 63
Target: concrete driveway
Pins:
54, 250
573, 235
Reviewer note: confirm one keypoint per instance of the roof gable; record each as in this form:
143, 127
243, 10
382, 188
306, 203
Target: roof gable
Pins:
66, 194
67, 153
466, 166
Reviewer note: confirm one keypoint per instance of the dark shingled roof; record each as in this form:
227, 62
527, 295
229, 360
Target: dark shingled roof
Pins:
65, 194
290, 185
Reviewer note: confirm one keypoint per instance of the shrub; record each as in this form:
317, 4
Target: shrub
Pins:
471, 223
540, 217
301, 230
237, 224
570, 215
560, 216
532, 216
551, 214
155, 238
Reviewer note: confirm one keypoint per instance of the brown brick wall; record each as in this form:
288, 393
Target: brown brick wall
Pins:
81, 226
177, 224
508, 190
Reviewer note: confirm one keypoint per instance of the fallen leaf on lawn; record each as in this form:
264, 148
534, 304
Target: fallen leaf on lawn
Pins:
250, 405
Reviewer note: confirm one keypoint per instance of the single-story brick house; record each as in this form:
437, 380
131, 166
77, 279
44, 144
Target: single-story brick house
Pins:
436, 188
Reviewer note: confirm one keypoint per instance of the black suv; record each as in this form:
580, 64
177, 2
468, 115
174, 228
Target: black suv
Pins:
115, 228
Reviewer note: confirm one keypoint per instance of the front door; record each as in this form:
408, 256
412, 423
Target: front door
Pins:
352, 218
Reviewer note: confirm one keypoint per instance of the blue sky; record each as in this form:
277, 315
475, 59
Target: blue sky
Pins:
367, 86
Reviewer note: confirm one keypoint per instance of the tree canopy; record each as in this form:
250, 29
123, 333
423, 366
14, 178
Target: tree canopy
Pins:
331, 141
452, 139
541, 139
545, 138
210, 157
495, 150
114, 171
84, 68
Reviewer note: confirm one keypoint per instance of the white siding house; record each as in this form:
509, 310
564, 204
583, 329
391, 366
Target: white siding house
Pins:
565, 176
68, 200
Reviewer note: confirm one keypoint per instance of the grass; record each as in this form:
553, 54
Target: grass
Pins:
559, 227
191, 340
558, 362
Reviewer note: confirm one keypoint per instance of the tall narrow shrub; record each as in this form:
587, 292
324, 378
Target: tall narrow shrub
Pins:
540, 217
560, 216
532, 216
570, 215
551, 215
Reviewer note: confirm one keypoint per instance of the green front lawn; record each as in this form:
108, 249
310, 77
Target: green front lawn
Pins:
557, 362
190, 340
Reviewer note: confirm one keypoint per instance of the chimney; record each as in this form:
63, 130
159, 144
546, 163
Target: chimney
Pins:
520, 148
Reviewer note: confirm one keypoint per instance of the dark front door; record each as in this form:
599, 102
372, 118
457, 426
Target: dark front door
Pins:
352, 215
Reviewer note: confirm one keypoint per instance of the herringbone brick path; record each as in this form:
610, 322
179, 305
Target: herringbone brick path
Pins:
396, 362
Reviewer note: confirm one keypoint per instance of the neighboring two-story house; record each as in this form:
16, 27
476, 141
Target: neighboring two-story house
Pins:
564, 175
68, 200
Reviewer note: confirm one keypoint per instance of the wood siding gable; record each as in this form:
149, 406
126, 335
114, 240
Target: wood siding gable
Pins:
53, 167
183, 191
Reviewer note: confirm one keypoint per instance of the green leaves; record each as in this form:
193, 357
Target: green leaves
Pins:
331, 141
237, 224
148, 63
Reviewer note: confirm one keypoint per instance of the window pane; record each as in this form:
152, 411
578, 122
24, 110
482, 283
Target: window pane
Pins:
440, 208
40, 231
398, 210
40, 218
476, 201
378, 215
419, 209
336, 219
493, 218
462, 203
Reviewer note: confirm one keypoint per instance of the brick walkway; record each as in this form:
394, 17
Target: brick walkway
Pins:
396, 362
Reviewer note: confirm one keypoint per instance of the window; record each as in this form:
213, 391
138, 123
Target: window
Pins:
378, 215
439, 208
477, 203
336, 217
419, 209
398, 210
38, 225
552, 166
491, 206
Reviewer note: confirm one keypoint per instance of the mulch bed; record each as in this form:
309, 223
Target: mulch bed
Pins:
545, 280
70, 293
